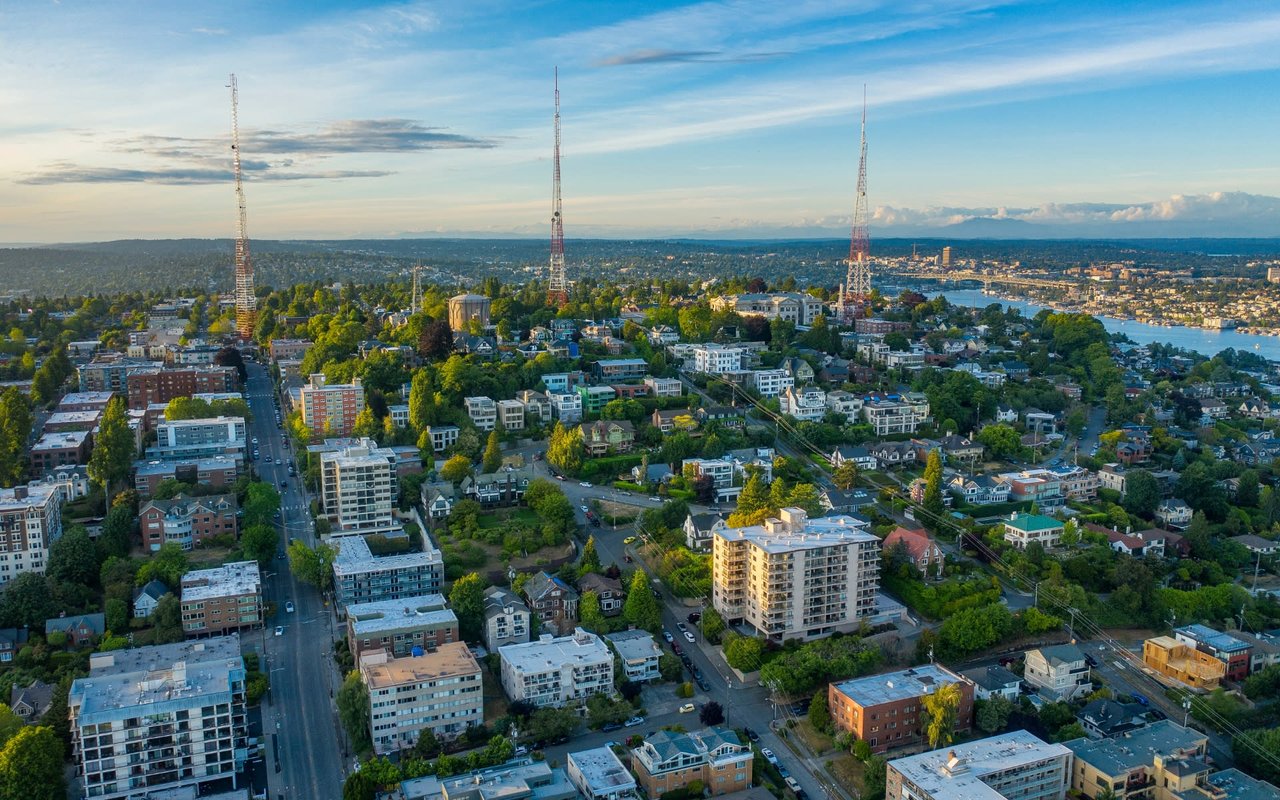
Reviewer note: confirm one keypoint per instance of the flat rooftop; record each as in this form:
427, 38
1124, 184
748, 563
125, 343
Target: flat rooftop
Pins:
448, 661
1137, 748
814, 534
428, 610
874, 690
1239, 786
601, 769
1223, 642
60, 440
634, 645
354, 557
959, 772
83, 398
228, 580
551, 653
155, 467
186, 674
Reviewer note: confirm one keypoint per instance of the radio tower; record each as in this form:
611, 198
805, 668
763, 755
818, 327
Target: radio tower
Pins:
857, 285
246, 301
415, 305
557, 287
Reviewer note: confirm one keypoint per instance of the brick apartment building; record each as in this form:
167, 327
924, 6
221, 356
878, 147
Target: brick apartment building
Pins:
887, 711
147, 386
223, 599
187, 521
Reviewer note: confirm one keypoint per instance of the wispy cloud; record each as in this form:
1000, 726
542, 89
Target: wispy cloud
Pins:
681, 56
344, 136
180, 176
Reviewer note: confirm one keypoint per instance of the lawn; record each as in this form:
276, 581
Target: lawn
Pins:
847, 772
520, 515
817, 741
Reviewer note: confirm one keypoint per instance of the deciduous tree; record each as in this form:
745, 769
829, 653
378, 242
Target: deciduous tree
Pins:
114, 448
259, 542
74, 558
353, 710
31, 765
941, 709
466, 598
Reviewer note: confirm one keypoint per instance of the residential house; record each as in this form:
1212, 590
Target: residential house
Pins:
772, 382
1174, 513
595, 398
712, 757
728, 416
979, 490
599, 775
961, 449
80, 630
442, 436
1059, 671
1236, 654
921, 550
1257, 544
536, 405
567, 406
1103, 718
11, 641
607, 590
845, 404
639, 654
505, 487
608, 436
552, 600
858, 455
146, 598
892, 454
665, 420
837, 501
664, 387
187, 521
993, 681
556, 672
30, 703
506, 619
700, 529
807, 405
798, 369
1021, 530
511, 415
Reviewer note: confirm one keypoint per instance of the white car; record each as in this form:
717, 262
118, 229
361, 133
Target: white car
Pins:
584, 509
288, 607
655, 499
279, 630
585, 484
667, 635
769, 756
688, 635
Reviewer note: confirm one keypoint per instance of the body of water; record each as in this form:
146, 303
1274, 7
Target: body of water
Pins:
1210, 343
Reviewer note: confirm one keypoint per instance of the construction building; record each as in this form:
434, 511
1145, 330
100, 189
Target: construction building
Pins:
1235, 654
1183, 662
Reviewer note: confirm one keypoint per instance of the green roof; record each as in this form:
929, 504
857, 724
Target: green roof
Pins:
1033, 522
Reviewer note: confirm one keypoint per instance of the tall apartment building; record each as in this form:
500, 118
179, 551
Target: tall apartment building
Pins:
887, 711
358, 488
187, 521
1011, 766
399, 626
158, 718
330, 409
151, 385
557, 671
189, 439
669, 760
361, 577
110, 373
482, 411
441, 692
222, 599
796, 578
30, 522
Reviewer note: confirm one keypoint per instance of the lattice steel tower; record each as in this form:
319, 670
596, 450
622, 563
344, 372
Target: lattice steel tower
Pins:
557, 286
857, 285
246, 300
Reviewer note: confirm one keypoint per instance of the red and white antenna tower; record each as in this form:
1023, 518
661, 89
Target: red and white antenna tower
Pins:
557, 286
857, 285
246, 300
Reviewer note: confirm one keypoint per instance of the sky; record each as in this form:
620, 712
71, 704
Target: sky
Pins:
737, 118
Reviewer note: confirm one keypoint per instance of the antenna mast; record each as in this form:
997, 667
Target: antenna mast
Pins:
246, 301
557, 286
416, 303
857, 286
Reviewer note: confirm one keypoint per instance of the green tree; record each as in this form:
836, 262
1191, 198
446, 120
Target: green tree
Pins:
312, 565
466, 598
941, 709
167, 565
590, 561
31, 766
565, 449
755, 494
712, 625
15, 429
26, 602
456, 469
492, 459
670, 667
1002, 440
819, 714
933, 502
10, 724
1248, 489
353, 710
114, 448
117, 532
993, 714
806, 496
712, 713
116, 613
259, 543
166, 620
1141, 493
74, 558
589, 614
845, 476
261, 502
366, 424
641, 607
421, 405
1254, 752
745, 653
1073, 730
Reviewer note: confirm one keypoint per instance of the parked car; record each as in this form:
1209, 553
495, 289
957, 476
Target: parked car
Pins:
634, 721
1090, 660
695, 617
668, 637
585, 510
675, 647
684, 658
585, 484
686, 708
629, 540
769, 756
793, 784
752, 736
288, 607
655, 499
680, 626
612, 726
279, 630
703, 685
689, 636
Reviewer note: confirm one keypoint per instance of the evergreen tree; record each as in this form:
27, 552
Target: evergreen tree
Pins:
590, 616
590, 558
113, 449
15, 429
641, 608
421, 405
31, 766
492, 459
466, 598
755, 494
933, 501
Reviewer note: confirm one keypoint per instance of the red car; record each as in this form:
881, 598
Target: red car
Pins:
676, 648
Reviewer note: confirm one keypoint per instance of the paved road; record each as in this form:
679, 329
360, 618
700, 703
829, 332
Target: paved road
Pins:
299, 711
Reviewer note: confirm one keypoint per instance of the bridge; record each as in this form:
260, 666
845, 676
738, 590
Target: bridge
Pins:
987, 280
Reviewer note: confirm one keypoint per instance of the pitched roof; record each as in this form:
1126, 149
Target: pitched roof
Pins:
154, 589
1061, 654
95, 622
917, 542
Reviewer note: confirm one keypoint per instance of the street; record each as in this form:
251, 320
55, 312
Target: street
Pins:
298, 710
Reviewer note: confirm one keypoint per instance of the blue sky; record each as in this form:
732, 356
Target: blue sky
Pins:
720, 118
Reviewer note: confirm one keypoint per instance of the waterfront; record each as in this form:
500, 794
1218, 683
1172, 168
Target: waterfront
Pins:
1208, 342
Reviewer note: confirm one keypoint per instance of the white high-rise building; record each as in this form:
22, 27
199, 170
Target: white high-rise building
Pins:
358, 488
795, 577
30, 522
557, 671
